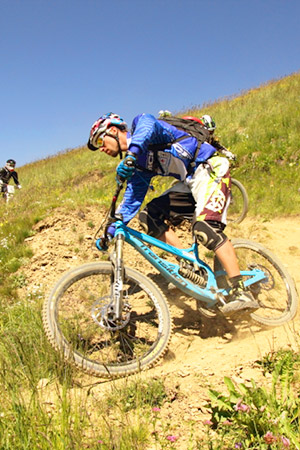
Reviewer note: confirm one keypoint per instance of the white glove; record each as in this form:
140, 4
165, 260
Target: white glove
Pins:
229, 155
19, 186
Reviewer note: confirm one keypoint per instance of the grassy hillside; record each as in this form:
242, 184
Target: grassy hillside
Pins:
261, 126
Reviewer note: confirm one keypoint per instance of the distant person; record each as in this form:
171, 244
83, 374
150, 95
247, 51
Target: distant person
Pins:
6, 173
210, 125
153, 147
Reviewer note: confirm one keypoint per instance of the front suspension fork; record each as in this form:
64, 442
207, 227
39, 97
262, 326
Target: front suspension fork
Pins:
117, 277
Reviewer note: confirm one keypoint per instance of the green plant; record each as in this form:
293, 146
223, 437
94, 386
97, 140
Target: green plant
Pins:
256, 415
19, 280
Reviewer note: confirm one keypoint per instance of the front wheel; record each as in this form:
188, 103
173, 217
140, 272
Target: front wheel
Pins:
276, 293
76, 321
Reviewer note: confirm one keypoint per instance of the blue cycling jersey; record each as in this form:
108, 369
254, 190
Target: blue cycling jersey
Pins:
147, 131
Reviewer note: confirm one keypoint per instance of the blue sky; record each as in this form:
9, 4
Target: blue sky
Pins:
66, 62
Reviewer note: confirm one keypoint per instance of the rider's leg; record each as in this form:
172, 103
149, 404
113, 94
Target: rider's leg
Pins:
210, 186
170, 237
227, 257
210, 234
170, 208
211, 189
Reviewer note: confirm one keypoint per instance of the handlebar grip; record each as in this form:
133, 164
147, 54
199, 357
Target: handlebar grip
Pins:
129, 161
102, 243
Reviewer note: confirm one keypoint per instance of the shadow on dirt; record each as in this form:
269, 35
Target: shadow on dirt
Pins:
189, 319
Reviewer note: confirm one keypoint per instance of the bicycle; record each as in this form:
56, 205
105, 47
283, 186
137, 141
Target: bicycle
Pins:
110, 320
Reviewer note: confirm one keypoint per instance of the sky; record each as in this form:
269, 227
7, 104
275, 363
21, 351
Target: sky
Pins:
66, 62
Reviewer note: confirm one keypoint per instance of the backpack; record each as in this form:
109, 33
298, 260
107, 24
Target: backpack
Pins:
191, 125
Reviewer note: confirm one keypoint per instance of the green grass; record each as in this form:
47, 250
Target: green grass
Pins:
262, 127
254, 415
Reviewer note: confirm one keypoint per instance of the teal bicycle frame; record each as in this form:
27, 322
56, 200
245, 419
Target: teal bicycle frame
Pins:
210, 294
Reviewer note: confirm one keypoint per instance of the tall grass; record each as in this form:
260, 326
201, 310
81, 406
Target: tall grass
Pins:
43, 405
262, 126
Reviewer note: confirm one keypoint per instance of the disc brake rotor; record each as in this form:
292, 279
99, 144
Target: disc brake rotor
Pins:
103, 314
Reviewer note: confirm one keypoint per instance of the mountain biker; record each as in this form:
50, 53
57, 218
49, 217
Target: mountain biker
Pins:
210, 125
154, 147
6, 173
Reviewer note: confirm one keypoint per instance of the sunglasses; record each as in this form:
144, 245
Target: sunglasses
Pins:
100, 140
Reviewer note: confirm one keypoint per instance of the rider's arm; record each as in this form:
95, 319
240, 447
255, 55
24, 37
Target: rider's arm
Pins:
223, 150
134, 195
217, 145
206, 151
15, 177
146, 130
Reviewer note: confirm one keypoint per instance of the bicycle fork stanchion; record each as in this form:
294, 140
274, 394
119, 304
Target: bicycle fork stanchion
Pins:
118, 277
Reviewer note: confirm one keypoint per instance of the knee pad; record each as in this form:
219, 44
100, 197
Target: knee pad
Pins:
207, 235
154, 226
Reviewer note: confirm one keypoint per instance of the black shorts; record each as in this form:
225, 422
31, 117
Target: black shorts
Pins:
173, 208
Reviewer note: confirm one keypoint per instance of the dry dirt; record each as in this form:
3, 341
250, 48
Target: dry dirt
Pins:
202, 351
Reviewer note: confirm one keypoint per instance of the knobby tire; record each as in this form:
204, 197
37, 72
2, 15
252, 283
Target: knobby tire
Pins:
94, 345
239, 204
277, 295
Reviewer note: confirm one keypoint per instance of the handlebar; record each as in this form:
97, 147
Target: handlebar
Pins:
111, 214
129, 162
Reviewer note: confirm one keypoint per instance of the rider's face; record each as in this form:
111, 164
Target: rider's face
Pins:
110, 144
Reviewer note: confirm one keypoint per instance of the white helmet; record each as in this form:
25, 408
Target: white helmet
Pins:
10, 164
208, 122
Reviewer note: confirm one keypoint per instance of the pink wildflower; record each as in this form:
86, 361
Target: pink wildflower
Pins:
285, 442
269, 438
172, 438
207, 422
155, 409
227, 422
241, 407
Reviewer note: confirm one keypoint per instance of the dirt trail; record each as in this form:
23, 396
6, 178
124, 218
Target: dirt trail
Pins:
202, 350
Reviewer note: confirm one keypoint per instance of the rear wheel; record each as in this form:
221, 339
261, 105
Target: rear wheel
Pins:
239, 202
77, 321
276, 294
